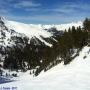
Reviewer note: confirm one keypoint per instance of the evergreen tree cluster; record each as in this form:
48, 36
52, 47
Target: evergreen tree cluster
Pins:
86, 25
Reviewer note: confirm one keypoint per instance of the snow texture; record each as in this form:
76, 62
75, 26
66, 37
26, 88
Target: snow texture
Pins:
74, 76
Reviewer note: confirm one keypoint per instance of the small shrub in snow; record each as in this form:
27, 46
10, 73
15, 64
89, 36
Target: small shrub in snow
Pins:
84, 57
14, 75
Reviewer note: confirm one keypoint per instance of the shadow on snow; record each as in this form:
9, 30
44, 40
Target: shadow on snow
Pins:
5, 80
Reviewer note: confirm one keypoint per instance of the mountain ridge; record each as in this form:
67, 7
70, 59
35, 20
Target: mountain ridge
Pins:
34, 30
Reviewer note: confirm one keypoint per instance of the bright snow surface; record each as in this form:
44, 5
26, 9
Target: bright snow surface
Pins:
29, 30
75, 76
38, 29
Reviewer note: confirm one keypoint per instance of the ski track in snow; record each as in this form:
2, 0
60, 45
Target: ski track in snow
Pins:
74, 76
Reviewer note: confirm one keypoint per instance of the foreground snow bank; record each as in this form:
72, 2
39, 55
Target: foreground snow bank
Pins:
75, 76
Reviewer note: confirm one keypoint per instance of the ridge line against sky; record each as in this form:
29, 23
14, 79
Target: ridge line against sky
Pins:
45, 11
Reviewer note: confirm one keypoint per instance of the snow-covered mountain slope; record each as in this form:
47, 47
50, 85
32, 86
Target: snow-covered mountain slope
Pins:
74, 76
35, 31
29, 30
38, 29
7, 36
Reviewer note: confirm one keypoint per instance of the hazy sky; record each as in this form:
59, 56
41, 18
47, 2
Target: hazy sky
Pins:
45, 11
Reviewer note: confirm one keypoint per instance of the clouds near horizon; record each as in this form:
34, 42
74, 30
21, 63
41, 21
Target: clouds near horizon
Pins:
45, 11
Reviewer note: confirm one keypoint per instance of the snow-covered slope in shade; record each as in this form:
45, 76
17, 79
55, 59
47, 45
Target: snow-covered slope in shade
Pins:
75, 76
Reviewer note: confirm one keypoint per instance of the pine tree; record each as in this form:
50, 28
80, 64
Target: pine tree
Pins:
86, 24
